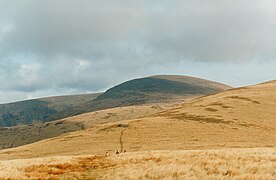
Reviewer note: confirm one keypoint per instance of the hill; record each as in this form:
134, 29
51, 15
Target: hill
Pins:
40, 110
26, 134
156, 89
237, 118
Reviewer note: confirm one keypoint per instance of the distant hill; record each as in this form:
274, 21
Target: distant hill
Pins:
155, 89
39, 110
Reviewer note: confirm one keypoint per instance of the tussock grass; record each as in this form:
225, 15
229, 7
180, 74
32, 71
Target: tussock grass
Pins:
210, 164
75, 169
255, 163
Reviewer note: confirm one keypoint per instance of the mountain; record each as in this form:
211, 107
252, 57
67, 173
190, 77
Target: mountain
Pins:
40, 110
155, 89
237, 118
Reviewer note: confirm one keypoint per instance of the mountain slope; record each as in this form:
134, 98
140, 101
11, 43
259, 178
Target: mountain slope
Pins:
40, 110
241, 118
155, 89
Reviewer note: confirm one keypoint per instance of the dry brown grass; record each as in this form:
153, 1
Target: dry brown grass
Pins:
194, 164
203, 164
74, 169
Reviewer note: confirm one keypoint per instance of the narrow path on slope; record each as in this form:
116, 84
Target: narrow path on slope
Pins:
122, 133
121, 141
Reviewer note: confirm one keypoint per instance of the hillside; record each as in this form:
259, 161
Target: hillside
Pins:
40, 110
26, 134
156, 89
238, 118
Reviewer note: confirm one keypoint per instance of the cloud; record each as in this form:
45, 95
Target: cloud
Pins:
193, 30
81, 46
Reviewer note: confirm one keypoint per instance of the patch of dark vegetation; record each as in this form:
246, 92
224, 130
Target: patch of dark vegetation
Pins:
190, 117
122, 125
245, 124
220, 105
167, 113
155, 107
72, 136
114, 126
59, 122
81, 125
199, 106
110, 115
235, 89
211, 109
46, 124
244, 99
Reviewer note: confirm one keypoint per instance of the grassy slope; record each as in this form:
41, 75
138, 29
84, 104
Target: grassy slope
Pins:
26, 134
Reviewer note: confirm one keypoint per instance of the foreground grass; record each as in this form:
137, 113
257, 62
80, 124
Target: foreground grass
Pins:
194, 164
209, 164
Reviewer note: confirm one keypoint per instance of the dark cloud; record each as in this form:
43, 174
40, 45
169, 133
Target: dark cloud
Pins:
79, 46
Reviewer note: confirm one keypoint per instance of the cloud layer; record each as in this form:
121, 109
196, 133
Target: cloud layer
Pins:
68, 46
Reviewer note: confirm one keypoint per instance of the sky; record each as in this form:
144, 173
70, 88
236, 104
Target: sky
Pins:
60, 47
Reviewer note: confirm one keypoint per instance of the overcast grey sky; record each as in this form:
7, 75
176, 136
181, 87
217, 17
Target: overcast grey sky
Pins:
55, 47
